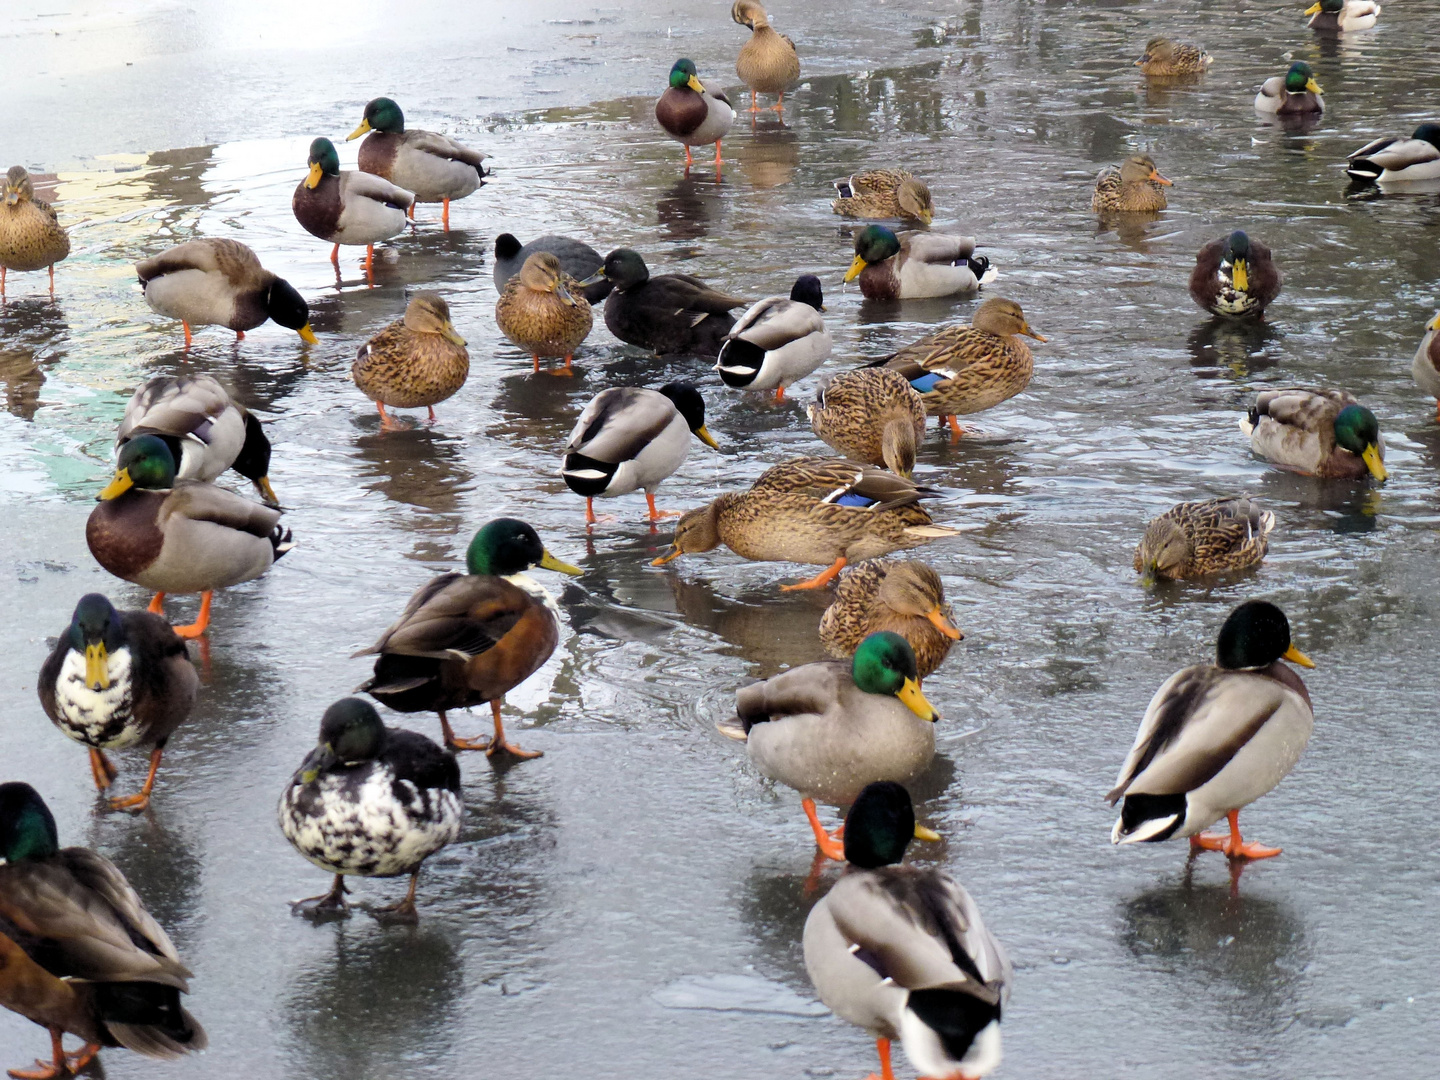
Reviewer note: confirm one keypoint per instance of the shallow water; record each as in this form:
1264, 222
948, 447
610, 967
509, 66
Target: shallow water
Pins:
632, 902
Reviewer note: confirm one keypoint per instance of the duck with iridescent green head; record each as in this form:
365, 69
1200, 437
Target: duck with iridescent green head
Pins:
348, 207
916, 265
691, 114
1317, 432
1292, 94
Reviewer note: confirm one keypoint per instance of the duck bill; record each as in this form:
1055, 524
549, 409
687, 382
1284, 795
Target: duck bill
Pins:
117, 487
696, 85
262, 485
1155, 175
1240, 275
563, 292
911, 697
1028, 332
307, 335
550, 562
1143, 60
1295, 656
594, 279
12, 196
451, 334
703, 434
925, 217
320, 759
312, 181
855, 268
1371, 457
1313, 87
922, 833
1433, 324
97, 667
361, 130
670, 556
944, 625
1313, 9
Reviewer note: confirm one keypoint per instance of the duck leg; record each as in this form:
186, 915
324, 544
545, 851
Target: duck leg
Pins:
536, 358
718, 159
823, 840
1232, 845
141, 800
387, 423
410, 211
444, 212
101, 769
882, 1047
689, 159
52, 281
404, 911
956, 431
202, 620
188, 335
82, 1057
335, 256
334, 900
47, 1071
3, 272
370, 263
239, 335
779, 393
779, 105
157, 605
754, 101
656, 515
820, 580
566, 369
431, 410
499, 745
592, 518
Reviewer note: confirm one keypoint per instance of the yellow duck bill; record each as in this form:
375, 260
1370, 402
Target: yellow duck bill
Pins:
117, 487
911, 697
97, 666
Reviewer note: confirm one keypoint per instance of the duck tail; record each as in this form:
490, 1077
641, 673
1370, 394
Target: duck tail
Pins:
1145, 818
281, 541
148, 1019
739, 362
930, 532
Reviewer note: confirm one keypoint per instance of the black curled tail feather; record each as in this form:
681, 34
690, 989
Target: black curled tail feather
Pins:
281, 541
955, 1016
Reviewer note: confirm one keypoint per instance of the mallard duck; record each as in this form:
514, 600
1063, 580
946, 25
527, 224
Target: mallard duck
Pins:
370, 800
220, 282
1164, 58
180, 536
1217, 737
577, 258
348, 207
1426, 367
916, 265
435, 167
465, 639
542, 309
1397, 159
1135, 187
966, 369
1235, 276
902, 952
828, 729
206, 431
1341, 15
691, 114
671, 313
767, 62
629, 438
419, 360
79, 954
778, 341
885, 194
31, 237
904, 596
872, 415
117, 679
1198, 539
1290, 94
821, 511
1317, 432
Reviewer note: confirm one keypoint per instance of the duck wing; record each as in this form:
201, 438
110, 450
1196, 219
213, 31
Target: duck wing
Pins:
1309, 409
682, 292
442, 146
200, 501
619, 423
363, 185
178, 406
937, 249
776, 321
230, 258
808, 690
834, 480
454, 617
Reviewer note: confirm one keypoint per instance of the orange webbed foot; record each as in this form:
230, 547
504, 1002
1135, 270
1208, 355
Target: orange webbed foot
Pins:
502, 746
135, 804
458, 743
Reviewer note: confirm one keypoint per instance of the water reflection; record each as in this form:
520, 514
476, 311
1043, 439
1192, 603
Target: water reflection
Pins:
1240, 346
772, 634
690, 206
20, 382
1132, 229
773, 910
770, 156
159, 859
420, 467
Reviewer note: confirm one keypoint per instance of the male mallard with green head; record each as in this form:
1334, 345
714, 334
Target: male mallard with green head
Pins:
904, 596
1316, 431
916, 265
691, 114
418, 361
902, 952
117, 679
79, 954
220, 282
348, 207
543, 310
828, 729
370, 800
1135, 187
180, 536
767, 62
1293, 94
31, 237
434, 167
1216, 737
1235, 276
1199, 539
467, 639
1338, 16
883, 194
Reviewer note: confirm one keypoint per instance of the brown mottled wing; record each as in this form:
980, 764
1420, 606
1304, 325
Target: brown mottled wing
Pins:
1265, 276
878, 181
829, 479
206, 502
1204, 279
443, 147
454, 617
949, 350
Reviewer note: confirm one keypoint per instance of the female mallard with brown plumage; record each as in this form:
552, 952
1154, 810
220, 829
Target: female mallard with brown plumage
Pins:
1341, 15
181, 536
691, 114
767, 62
966, 369
467, 639
1426, 366
220, 282
542, 309
821, 511
916, 265
904, 596
31, 237
117, 679
348, 207
1198, 539
1165, 58
1235, 276
872, 415
1135, 187
420, 360
884, 194
79, 954
1317, 432
434, 167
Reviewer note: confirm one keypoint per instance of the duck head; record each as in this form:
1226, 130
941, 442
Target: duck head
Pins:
18, 186
351, 733
885, 664
381, 114
1003, 318
912, 588
623, 267
697, 531
509, 546
1236, 256
1255, 635
1300, 79
323, 160
145, 462
287, 308
880, 825
691, 406
806, 290
27, 828
96, 631
1140, 167
914, 199
428, 313
1357, 430
542, 273
873, 244
683, 76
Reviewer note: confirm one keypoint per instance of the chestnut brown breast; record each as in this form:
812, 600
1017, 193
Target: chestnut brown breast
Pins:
122, 534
